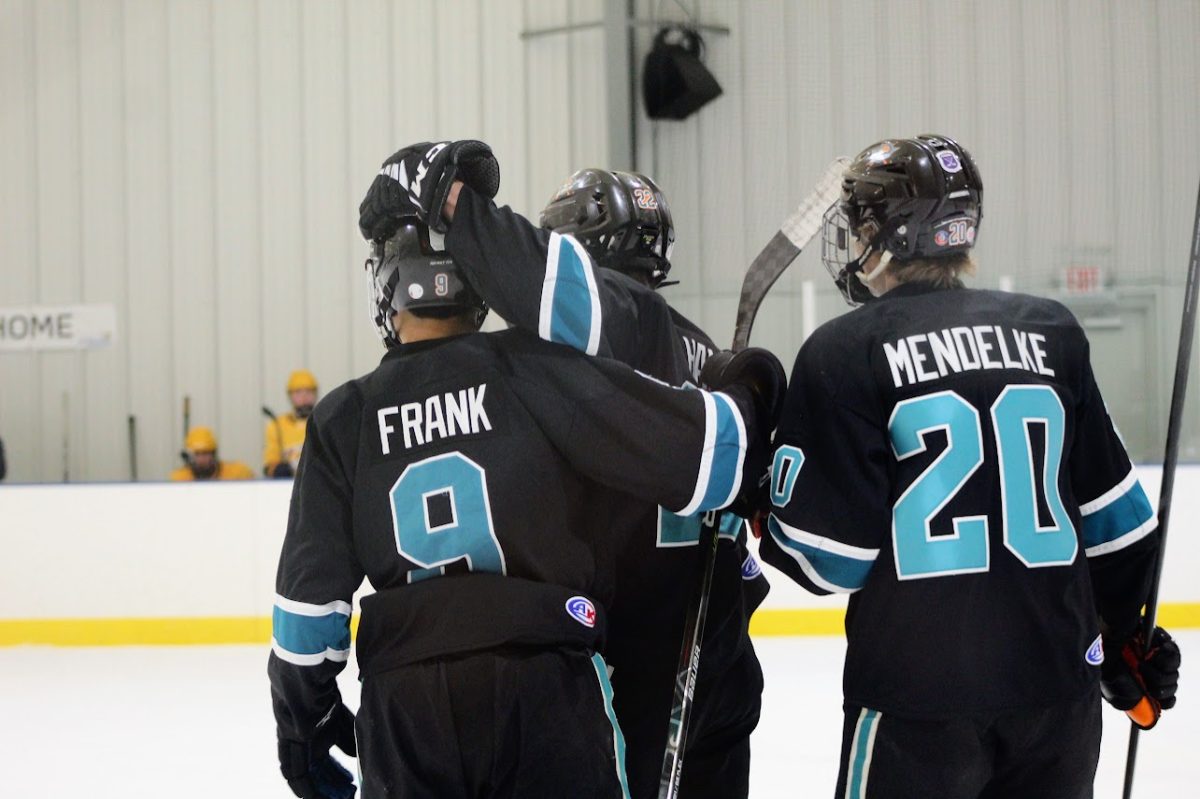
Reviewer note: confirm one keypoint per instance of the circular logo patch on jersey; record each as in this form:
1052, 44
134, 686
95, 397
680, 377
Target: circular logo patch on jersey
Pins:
416, 291
581, 609
949, 161
1095, 653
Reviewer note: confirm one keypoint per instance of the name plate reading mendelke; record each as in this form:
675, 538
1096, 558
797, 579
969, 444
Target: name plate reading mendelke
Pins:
57, 327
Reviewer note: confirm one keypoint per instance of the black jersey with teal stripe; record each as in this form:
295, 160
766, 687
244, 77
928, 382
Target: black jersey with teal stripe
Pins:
547, 283
485, 453
946, 458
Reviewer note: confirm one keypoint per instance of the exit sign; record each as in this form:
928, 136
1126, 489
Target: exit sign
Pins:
1083, 280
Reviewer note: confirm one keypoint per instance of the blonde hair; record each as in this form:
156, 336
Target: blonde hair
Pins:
942, 273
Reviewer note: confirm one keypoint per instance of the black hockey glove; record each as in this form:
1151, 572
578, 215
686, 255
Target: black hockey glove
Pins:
416, 181
757, 369
1138, 679
310, 771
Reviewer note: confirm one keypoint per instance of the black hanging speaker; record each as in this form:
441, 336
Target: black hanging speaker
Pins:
675, 84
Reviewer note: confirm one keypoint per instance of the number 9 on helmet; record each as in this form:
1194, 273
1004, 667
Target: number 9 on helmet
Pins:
411, 271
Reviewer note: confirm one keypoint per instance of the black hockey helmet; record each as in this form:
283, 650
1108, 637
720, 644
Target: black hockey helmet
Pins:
412, 271
621, 218
911, 198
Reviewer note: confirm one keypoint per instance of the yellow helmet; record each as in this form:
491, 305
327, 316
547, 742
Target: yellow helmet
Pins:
200, 439
299, 379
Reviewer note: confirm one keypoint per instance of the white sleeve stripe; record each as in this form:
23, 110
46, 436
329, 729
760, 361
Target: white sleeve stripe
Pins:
315, 659
825, 544
706, 456
741, 458
306, 609
1130, 538
1110, 496
546, 312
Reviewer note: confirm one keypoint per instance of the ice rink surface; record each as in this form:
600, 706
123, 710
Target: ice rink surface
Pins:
184, 722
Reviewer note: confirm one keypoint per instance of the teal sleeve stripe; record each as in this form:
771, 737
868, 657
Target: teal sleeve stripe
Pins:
571, 313
618, 737
829, 570
1127, 514
310, 635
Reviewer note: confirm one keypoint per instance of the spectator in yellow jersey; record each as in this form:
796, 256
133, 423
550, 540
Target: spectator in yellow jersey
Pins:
284, 435
200, 450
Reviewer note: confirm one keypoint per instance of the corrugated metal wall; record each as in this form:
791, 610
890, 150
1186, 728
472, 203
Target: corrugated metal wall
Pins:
1082, 114
198, 164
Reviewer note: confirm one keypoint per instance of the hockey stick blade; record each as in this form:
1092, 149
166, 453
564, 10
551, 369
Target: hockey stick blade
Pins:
793, 236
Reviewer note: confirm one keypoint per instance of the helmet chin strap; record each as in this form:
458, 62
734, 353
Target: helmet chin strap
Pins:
869, 279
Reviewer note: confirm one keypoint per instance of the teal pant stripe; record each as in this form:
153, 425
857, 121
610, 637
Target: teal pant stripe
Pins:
863, 740
618, 738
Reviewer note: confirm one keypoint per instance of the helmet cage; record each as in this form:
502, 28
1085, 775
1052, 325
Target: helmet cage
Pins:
837, 234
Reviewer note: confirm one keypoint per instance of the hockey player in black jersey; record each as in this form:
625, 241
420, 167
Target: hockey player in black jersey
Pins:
471, 478
946, 458
624, 222
546, 281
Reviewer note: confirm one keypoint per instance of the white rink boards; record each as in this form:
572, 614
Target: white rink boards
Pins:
195, 722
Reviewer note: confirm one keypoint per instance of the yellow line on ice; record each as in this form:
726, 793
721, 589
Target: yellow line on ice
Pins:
188, 630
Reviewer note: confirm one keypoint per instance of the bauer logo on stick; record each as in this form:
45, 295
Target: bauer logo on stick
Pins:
582, 610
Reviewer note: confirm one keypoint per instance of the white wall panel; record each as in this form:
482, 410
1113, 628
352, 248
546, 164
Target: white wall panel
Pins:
1089, 136
999, 96
102, 254
1137, 235
199, 166
233, 532
20, 382
150, 334
329, 211
238, 281
370, 140
283, 232
59, 218
548, 90
1179, 115
720, 178
192, 263
506, 106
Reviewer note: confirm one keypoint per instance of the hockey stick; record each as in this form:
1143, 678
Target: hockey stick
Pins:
795, 232
133, 472
187, 426
1187, 332
793, 235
